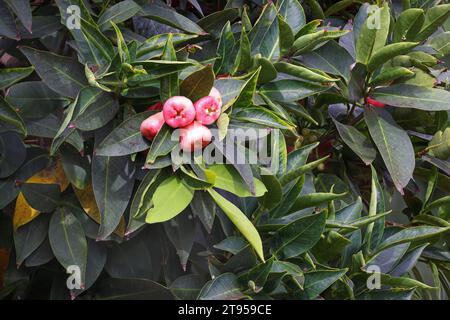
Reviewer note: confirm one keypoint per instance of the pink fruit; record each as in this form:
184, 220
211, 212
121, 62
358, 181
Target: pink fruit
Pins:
151, 126
156, 107
207, 110
216, 94
194, 137
178, 112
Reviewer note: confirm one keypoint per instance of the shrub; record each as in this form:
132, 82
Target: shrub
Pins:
351, 103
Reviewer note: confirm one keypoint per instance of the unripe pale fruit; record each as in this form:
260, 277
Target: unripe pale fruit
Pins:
178, 112
207, 110
375, 103
194, 137
216, 94
155, 107
151, 126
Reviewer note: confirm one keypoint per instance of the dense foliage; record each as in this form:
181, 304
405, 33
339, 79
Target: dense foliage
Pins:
354, 97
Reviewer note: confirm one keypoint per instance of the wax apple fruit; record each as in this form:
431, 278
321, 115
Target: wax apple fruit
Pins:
375, 103
155, 107
178, 112
151, 126
216, 94
207, 110
194, 137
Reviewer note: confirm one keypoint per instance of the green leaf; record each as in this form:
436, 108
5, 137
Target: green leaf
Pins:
198, 84
243, 59
410, 235
8, 26
204, 208
292, 12
388, 75
388, 52
245, 97
394, 145
357, 141
117, 13
338, 6
22, 9
298, 171
318, 281
42, 197
290, 90
272, 198
227, 178
153, 47
9, 76
181, 232
434, 17
131, 289
13, 153
309, 41
408, 24
142, 197
222, 125
264, 38
112, 181
263, 116
76, 167
61, 74
170, 199
126, 138
412, 96
34, 99
166, 15
29, 237
10, 119
214, 22
314, 199
224, 287
68, 241
223, 63
302, 73
229, 90
298, 236
375, 230
402, 282
162, 144
373, 34
241, 222
187, 287
286, 36
95, 108
169, 84
330, 58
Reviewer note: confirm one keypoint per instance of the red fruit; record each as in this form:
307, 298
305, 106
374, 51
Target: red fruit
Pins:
155, 107
194, 137
216, 94
151, 126
375, 103
178, 112
207, 110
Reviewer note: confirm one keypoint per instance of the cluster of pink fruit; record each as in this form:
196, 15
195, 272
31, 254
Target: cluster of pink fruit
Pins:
191, 118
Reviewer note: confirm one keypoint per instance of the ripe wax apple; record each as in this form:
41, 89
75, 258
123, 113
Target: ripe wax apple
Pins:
375, 103
151, 126
216, 94
155, 107
178, 112
207, 110
194, 137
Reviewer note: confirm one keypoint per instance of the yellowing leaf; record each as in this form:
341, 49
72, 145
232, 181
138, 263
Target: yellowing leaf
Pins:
54, 174
87, 201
